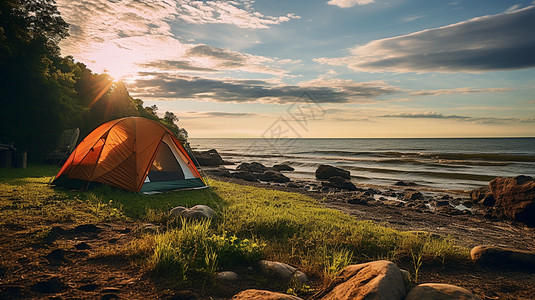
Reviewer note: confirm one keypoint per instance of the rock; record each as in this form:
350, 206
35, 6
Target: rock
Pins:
198, 212
482, 196
177, 211
109, 297
479, 193
488, 201
283, 271
87, 229
263, 295
468, 203
501, 256
208, 158
54, 233
82, 246
442, 203
283, 167
50, 286
515, 198
358, 200
56, 256
273, 176
405, 183
410, 194
338, 182
245, 175
374, 280
406, 276
293, 185
326, 172
254, 167
218, 172
227, 276
439, 291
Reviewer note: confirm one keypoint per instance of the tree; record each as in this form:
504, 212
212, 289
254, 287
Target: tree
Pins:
36, 85
170, 117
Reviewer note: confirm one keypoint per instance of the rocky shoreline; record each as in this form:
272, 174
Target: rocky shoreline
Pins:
496, 222
516, 196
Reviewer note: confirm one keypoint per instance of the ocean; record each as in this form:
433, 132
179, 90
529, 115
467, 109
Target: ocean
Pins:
455, 164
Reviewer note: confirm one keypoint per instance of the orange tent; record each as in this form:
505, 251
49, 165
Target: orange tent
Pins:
132, 153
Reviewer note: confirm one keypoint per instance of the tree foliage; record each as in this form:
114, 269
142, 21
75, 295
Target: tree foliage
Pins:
43, 93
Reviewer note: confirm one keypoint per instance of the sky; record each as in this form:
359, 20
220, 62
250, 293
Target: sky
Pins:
318, 68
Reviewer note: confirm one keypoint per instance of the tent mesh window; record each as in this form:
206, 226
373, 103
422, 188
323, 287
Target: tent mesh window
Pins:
165, 166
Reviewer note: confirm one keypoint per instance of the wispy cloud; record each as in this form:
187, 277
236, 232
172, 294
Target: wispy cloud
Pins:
349, 3
238, 13
204, 58
496, 42
124, 35
412, 18
172, 87
465, 90
216, 114
481, 120
175, 65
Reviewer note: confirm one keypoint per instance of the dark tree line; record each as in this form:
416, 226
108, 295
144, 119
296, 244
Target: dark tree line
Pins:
43, 93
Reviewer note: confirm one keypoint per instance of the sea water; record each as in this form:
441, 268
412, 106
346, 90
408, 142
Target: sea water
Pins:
439, 163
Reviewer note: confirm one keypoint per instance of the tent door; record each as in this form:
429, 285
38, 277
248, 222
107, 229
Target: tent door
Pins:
165, 166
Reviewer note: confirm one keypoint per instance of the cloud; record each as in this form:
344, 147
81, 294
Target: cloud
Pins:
349, 3
495, 42
122, 36
217, 114
174, 65
238, 13
458, 91
172, 87
412, 18
480, 120
204, 58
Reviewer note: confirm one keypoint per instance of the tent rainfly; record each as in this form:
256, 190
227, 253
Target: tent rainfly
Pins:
131, 153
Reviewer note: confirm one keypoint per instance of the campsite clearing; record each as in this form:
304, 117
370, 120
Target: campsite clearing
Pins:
91, 244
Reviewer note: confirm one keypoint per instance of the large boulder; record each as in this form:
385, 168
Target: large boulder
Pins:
439, 291
222, 172
338, 182
515, 198
245, 175
283, 167
501, 256
263, 295
254, 167
208, 158
326, 172
482, 196
373, 280
198, 212
273, 176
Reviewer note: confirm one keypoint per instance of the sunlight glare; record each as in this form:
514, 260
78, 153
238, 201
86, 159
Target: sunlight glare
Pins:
119, 63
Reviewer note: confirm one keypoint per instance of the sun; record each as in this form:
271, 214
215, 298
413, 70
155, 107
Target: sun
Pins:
119, 63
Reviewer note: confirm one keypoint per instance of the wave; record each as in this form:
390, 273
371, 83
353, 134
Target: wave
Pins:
512, 157
425, 174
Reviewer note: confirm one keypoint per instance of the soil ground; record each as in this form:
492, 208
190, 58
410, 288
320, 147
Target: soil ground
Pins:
69, 262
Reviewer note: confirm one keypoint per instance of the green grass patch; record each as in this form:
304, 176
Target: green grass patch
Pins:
252, 223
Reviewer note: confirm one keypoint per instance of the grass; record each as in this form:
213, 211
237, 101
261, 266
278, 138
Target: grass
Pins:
252, 223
